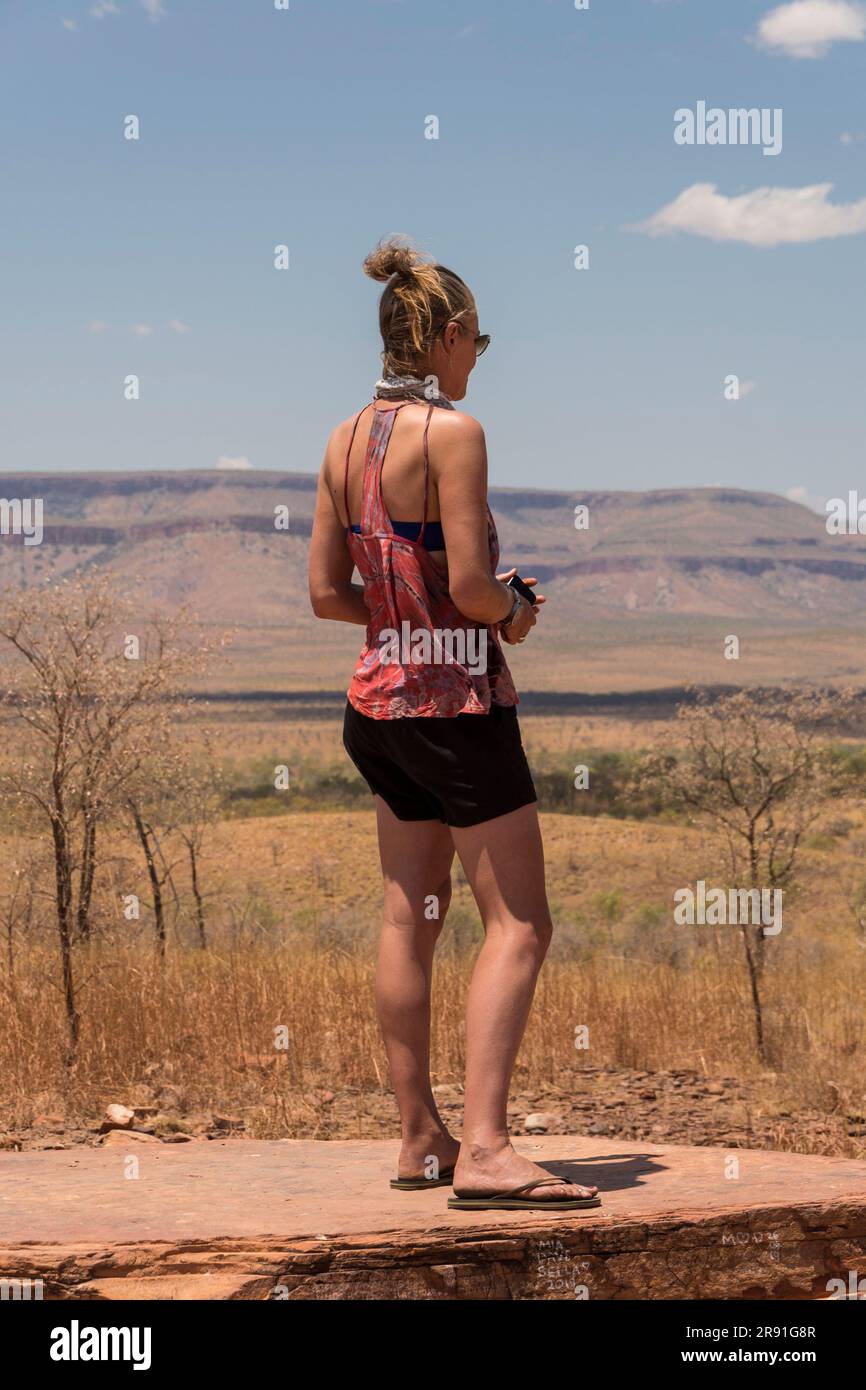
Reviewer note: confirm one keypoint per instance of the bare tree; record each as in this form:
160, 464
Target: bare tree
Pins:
754, 768
91, 685
149, 803
146, 833
16, 912
200, 793
172, 802
857, 904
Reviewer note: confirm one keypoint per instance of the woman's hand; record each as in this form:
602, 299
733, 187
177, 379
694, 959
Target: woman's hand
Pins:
509, 574
523, 620
525, 617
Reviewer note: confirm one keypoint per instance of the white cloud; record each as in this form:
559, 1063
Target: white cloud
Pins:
142, 330
101, 8
178, 326
225, 462
807, 499
764, 217
852, 137
97, 326
807, 28
69, 23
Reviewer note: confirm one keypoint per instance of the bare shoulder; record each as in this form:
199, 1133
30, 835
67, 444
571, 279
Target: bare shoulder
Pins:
459, 427
457, 440
342, 433
338, 446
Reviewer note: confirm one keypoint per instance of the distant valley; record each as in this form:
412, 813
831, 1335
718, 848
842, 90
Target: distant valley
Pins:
641, 598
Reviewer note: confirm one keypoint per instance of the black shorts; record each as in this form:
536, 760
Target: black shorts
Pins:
461, 770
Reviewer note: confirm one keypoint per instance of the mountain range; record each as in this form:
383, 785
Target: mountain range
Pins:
642, 587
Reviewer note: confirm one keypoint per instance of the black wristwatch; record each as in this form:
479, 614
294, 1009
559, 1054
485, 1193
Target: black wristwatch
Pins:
515, 608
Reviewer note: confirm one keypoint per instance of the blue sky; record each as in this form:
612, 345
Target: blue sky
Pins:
556, 128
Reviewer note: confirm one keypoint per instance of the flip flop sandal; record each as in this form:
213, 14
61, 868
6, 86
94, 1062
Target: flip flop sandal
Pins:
445, 1179
512, 1201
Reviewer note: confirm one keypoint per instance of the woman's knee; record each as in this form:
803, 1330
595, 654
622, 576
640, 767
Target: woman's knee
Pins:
528, 936
436, 905
541, 932
420, 909
544, 932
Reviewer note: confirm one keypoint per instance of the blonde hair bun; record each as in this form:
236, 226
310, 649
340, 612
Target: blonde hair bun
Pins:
419, 300
395, 256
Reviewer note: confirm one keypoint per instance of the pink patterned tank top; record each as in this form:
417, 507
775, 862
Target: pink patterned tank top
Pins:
421, 657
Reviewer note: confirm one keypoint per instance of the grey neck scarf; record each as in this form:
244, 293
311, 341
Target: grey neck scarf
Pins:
395, 388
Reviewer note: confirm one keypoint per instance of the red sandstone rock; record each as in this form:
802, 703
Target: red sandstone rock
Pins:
541, 1122
117, 1138
117, 1117
307, 1220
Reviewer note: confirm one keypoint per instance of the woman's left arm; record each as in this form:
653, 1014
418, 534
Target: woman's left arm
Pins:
332, 593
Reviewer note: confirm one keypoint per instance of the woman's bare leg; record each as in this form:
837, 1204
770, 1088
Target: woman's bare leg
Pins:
416, 868
504, 862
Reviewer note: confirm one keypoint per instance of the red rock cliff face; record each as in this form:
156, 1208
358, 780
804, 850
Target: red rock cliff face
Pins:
268, 1221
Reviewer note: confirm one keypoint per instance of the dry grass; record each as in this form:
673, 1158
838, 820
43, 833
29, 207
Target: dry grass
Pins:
293, 903
208, 1021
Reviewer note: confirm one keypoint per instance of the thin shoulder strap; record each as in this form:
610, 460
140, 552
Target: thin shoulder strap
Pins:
426, 473
346, 470
374, 515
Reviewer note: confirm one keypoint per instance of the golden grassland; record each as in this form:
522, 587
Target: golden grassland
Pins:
244, 736
293, 904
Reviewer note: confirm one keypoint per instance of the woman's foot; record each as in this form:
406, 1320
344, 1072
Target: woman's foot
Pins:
491, 1171
418, 1150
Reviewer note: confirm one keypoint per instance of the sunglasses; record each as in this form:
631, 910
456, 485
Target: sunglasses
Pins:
482, 340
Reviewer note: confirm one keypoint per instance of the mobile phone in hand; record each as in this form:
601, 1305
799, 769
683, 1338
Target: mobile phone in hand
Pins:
515, 582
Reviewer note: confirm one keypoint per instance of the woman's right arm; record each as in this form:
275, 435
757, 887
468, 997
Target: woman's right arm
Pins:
458, 464
332, 593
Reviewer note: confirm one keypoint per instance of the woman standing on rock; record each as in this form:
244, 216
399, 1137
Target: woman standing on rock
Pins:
431, 723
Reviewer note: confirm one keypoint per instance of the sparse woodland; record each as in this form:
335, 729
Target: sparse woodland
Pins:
168, 915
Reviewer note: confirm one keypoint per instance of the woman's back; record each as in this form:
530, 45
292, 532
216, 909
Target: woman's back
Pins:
422, 656
403, 473
402, 500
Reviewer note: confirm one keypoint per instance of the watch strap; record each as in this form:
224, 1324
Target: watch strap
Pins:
515, 608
